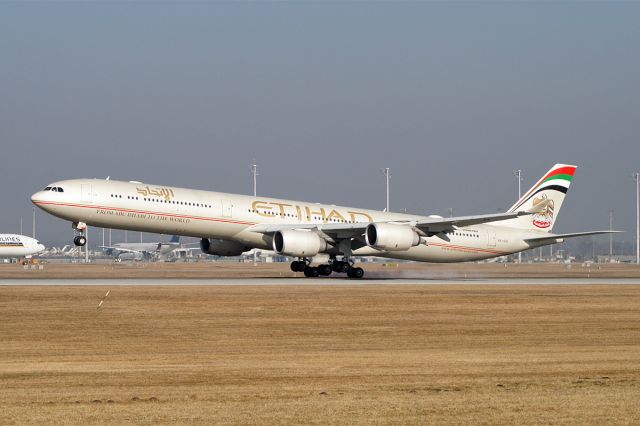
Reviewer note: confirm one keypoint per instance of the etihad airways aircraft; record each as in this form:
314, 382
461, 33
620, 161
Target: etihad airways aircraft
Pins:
230, 224
13, 245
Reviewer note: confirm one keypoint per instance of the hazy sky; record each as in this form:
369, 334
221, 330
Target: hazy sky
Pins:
451, 97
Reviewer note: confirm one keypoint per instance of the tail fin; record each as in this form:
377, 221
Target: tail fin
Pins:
175, 239
549, 190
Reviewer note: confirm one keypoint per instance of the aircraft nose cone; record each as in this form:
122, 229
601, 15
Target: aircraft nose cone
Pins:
41, 247
39, 197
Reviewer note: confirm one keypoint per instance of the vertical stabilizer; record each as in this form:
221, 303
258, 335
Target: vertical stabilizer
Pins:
548, 192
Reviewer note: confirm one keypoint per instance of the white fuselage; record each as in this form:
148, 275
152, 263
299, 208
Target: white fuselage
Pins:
13, 245
205, 214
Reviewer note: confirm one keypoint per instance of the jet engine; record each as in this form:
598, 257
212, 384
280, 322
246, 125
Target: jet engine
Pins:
219, 247
298, 243
391, 237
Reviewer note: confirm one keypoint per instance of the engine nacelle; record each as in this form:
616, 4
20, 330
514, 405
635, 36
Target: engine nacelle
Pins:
391, 237
298, 243
218, 247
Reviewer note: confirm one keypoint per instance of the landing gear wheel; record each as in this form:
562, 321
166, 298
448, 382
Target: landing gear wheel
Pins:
311, 272
355, 273
324, 270
340, 266
80, 240
298, 266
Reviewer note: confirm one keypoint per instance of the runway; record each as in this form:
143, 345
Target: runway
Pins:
310, 282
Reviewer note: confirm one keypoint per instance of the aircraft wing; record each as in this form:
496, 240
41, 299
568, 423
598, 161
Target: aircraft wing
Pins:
432, 226
428, 226
119, 249
166, 248
558, 238
337, 230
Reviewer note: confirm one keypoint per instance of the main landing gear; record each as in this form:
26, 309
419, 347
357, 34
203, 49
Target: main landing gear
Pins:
310, 271
340, 266
79, 229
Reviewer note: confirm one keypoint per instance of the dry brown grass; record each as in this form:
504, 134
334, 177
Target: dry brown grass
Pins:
330, 354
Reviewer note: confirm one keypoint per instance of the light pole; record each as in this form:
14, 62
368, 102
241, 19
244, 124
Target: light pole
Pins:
254, 175
20, 225
610, 235
387, 175
636, 177
518, 174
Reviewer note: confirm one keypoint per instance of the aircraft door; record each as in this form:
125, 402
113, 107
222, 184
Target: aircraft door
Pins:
86, 193
227, 208
492, 238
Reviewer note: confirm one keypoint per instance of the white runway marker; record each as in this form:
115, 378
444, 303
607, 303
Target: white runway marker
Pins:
103, 298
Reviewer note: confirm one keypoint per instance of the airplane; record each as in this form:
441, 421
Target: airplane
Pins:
13, 245
139, 251
230, 224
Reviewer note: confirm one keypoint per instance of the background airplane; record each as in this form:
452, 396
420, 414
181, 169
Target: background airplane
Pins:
230, 224
139, 251
17, 246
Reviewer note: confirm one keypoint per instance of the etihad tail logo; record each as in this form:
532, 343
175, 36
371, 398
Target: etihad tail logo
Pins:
165, 193
544, 218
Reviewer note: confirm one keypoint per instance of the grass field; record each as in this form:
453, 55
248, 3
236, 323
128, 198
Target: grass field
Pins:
320, 354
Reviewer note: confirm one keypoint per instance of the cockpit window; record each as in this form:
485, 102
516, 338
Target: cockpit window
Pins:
48, 188
60, 189
54, 189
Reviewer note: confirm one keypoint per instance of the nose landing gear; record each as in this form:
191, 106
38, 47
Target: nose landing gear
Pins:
79, 229
80, 240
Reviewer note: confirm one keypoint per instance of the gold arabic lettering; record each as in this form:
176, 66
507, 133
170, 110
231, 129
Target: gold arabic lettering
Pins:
165, 193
